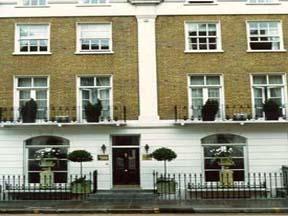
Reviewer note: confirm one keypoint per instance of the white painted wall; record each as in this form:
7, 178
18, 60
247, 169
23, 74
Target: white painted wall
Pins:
267, 147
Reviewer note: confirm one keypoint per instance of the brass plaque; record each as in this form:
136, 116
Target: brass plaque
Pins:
103, 157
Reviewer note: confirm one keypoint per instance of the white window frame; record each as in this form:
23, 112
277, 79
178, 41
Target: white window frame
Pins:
284, 89
90, 3
17, 40
245, 157
218, 36
257, 2
78, 38
79, 95
17, 94
21, 3
205, 95
280, 30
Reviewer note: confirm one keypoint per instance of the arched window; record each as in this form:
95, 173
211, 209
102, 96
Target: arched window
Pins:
51, 148
228, 144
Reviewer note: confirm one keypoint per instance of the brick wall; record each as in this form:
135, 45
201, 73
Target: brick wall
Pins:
63, 66
234, 63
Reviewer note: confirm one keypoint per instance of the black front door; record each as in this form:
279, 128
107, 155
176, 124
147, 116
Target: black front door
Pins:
126, 166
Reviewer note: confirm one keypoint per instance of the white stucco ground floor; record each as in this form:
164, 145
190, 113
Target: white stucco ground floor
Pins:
121, 149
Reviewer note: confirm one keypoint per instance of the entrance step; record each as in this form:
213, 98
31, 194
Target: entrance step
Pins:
122, 195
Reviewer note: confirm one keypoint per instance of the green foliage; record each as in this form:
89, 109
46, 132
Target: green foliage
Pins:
164, 154
29, 111
271, 106
80, 156
93, 111
209, 110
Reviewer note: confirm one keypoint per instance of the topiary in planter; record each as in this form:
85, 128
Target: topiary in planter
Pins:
93, 111
272, 110
165, 184
29, 111
209, 110
80, 185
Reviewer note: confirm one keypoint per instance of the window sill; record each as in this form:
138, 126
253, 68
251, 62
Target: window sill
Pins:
204, 51
93, 5
264, 51
32, 6
93, 53
37, 53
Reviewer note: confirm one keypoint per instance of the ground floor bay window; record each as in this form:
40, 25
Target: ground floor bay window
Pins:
47, 154
95, 90
214, 145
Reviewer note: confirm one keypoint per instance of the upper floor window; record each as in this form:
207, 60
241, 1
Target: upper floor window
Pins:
264, 35
95, 94
202, 88
93, 2
28, 88
265, 87
94, 37
262, 1
203, 36
34, 2
32, 38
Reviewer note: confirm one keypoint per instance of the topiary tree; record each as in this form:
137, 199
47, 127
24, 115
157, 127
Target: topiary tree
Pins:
29, 111
93, 111
80, 156
164, 154
209, 110
272, 110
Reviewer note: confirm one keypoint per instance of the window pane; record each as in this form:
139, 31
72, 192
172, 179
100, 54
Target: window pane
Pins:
275, 92
213, 93
40, 82
197, 92
41, 95
213, 80
103, 81
259, 80
24, 82
24, 95
87, 81
275, 79
197, 80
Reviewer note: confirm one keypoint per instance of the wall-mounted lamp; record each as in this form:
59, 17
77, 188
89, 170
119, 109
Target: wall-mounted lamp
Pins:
103, 148
146, 147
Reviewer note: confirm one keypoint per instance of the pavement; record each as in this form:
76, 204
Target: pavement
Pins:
154, 206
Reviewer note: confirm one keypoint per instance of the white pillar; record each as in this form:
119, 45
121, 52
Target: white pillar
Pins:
147, 68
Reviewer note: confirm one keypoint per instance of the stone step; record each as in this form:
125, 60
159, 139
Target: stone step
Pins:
119, 195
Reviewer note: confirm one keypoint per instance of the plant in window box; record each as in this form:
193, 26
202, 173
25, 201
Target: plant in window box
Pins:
80, 185
29, 111
93, 111
209, 110
223, 157
164, 183
272, 110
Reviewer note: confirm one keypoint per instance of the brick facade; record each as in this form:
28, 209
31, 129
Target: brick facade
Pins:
235, 64
63, 66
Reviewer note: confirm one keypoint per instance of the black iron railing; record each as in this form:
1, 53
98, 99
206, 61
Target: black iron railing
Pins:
18, 187
226, 112
185, 186
61, 115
